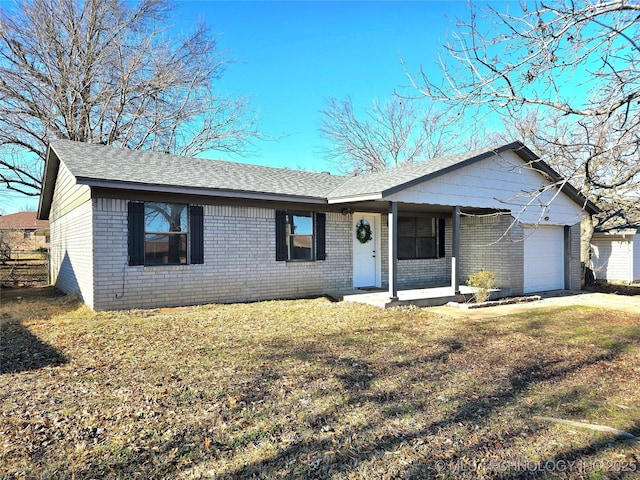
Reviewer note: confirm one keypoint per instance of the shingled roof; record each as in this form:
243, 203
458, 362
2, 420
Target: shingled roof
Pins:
22, 221
111, 167
97, 163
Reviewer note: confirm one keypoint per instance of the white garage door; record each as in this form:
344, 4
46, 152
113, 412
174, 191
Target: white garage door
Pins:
543, 259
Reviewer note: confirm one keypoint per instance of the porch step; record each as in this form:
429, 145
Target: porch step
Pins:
423, 297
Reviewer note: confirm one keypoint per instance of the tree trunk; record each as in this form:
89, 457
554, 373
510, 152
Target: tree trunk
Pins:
586, 232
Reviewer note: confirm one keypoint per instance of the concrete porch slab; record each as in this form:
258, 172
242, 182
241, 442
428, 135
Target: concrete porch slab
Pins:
421, 297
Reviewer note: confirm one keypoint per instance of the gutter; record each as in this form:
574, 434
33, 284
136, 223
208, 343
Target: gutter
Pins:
208, 192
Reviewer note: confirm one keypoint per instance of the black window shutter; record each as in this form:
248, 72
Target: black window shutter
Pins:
441, 241
321, 221
196, 227
136, 233
281, 232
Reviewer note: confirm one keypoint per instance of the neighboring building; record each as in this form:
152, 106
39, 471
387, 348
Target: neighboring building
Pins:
23, 231
135, 229
615, 245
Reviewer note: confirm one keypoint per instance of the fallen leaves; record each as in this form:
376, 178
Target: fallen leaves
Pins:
307, 389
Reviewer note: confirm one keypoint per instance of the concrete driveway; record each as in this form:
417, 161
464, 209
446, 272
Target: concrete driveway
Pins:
558, 298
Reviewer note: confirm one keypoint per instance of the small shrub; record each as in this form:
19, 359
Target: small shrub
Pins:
483, 281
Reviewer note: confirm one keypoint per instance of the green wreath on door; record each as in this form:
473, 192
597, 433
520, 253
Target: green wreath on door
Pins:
363, 231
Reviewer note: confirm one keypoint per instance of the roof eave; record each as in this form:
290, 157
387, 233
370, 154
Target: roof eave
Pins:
536, 162
51, 167
207, 192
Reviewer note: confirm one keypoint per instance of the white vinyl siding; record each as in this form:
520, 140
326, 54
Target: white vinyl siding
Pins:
71, 255
67, 194
71, 237
616, 258
636, 259
502, 182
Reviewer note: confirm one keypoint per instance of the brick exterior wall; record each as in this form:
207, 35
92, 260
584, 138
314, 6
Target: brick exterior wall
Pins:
239, 262
23, 239
493, 243
71, 255
239, 259
482, 246
575, 268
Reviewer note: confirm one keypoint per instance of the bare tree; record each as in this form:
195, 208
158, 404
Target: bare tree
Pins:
111, 72
387, 134
566, 75
566, 80
602, 178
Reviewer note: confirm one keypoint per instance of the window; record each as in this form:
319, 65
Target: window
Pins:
161, 233
300, 236
165, 233
417, 238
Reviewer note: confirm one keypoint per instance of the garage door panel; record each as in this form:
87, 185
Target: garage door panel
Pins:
543, 259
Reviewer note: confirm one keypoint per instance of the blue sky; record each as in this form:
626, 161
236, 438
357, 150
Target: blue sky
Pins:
294, 55
291, 56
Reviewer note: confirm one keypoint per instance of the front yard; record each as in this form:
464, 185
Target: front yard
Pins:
314, 389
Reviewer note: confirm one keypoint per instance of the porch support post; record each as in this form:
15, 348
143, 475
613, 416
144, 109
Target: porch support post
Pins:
567, 257
393, 250
455, 250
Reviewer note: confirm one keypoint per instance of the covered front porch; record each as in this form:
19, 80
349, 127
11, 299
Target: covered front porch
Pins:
485, 212
393, 293
438, 275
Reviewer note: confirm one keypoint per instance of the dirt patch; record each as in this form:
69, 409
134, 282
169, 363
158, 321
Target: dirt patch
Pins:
9, 293
615, 288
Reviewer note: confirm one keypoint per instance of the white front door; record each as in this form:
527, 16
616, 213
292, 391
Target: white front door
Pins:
366, 250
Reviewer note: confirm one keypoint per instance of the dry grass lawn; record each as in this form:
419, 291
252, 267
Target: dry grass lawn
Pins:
314, 389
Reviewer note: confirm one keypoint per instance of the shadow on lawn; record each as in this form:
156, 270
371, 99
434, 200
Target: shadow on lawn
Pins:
21, 350
356, 377
355, 373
